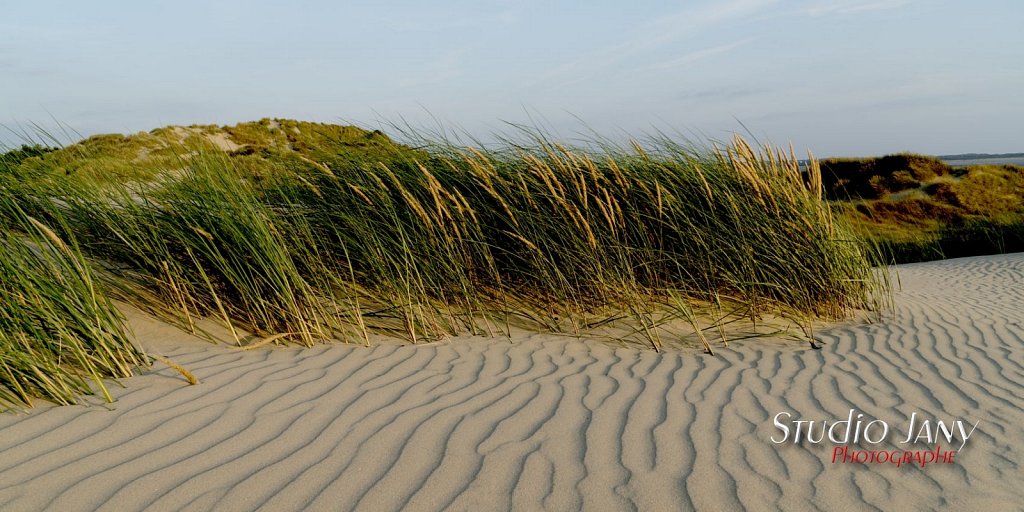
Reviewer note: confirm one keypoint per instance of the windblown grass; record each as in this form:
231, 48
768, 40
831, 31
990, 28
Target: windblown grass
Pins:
59, 335
292, 232
327, 244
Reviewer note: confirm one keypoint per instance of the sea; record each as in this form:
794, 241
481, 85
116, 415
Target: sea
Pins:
1019, 160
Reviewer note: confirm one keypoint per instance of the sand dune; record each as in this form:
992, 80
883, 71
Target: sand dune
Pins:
545, 423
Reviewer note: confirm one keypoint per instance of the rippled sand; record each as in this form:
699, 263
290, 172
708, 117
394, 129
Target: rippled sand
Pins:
545, 423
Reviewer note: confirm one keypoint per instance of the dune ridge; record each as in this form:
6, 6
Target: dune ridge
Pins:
548, 423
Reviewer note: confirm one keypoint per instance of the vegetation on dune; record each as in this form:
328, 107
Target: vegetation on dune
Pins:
59, 335
12, 159
299, 232
918, 208
302, 232
259, 148
875, 178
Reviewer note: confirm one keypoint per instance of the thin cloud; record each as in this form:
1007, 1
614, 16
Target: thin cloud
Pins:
853, 7
448, 23
697, 55
719, 93
450, 66
656, 34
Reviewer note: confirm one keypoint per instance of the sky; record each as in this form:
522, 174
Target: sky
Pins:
841, 78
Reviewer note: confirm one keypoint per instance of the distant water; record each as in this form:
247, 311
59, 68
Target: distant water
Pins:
956, 162
985, 161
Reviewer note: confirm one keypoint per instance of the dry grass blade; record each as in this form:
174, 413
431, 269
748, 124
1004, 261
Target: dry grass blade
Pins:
192, 380
265, 341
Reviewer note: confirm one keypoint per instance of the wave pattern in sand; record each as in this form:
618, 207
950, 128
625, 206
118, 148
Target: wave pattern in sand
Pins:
552, 424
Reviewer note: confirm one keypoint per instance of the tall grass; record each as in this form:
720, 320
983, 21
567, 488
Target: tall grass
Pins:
198, 244
464, 239
59, 335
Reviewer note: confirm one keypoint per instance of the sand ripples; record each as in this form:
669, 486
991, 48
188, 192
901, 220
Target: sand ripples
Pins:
551, 424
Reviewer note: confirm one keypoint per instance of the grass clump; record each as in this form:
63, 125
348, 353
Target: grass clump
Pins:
59, 335
304, 232
199, 244
299, 232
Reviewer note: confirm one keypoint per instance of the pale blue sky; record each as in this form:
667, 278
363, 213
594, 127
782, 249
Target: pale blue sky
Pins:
847, 77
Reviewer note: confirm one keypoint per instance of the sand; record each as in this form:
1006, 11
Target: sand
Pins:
547, 423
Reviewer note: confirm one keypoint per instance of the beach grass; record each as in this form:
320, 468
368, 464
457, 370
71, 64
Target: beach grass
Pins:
346, 235
60, 336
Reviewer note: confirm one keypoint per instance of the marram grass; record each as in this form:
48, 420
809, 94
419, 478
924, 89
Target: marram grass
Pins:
60, 337
452, 239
